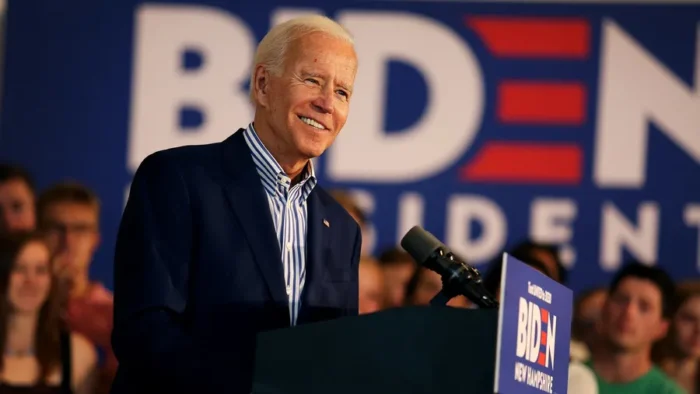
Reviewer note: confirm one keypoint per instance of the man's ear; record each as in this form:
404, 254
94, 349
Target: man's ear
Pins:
261, 82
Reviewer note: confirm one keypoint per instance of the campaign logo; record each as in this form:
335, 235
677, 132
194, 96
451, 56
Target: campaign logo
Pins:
562, 103
536, 341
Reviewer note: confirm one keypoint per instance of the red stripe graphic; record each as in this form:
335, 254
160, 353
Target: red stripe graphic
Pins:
526, 162
550, 103
523, 37
540, 359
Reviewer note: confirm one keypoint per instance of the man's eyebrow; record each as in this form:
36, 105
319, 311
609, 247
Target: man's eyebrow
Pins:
341, 84
306, 73
345, 86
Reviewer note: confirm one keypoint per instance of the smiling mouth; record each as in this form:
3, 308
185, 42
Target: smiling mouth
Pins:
312, 122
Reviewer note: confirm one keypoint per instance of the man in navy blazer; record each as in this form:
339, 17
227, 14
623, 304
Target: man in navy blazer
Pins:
219, 242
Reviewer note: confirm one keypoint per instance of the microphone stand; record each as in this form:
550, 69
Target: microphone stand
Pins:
441, 298
460, 279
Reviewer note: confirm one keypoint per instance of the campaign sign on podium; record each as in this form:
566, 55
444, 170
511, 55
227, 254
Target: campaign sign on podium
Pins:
534, 331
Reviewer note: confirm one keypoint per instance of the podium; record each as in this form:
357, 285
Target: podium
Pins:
405, 350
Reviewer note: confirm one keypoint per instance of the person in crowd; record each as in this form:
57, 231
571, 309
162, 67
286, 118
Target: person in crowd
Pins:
581, 379
69, 216
635, 315
221, 241
17, 199
398, 267
492, 278
371, 292
678, 354
41, 356
349, 202
588, 308
424, 285
546, 254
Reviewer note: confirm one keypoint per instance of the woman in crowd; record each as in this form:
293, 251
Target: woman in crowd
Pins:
679, 352
40, 356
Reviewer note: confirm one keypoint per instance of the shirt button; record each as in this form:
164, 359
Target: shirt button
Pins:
289, 290
289, 246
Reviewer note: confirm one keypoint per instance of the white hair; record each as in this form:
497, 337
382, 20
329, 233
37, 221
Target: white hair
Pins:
272, 49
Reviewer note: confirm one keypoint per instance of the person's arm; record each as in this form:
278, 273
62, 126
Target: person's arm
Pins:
151, 274
84, 361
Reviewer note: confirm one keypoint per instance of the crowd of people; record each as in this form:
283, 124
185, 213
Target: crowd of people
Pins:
641, 334
55, 322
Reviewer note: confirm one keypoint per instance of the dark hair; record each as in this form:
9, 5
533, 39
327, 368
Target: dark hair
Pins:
72, 192
579, 327
525, 251
659, 277
492, 279
395, 255
9, 172
584, 295
48, 330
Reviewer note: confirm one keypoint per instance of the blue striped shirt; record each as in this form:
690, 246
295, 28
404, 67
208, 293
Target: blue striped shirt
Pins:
289, 215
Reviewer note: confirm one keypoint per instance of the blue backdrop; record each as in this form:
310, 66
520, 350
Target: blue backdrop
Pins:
486, 123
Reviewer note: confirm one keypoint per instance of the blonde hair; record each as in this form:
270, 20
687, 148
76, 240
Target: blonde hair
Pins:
272, 49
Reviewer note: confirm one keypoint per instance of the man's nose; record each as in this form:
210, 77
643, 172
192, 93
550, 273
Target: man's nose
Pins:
630, 310
324, 101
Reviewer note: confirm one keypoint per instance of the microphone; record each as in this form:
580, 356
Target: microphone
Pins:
458, 277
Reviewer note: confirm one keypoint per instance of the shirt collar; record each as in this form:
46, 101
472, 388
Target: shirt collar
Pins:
270, 170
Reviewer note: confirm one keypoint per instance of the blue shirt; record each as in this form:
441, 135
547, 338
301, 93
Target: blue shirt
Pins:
288, 205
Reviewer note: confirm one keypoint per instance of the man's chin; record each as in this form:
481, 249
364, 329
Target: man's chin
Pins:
312, 151
621, 345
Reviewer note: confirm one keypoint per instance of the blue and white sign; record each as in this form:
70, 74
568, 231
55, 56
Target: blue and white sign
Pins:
484, 122
534, 331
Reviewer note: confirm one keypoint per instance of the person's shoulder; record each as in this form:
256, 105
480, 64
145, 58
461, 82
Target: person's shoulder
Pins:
182, 157
582, 379
663, 383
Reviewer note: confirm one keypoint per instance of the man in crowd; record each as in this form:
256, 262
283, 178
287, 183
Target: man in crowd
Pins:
398, 267
17, 200
349, 202
69, 216
371, 293
222, 241
636, 314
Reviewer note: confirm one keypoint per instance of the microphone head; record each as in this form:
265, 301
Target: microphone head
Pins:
420, 244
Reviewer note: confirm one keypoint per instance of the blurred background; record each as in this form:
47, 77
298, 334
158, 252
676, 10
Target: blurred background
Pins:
564, 130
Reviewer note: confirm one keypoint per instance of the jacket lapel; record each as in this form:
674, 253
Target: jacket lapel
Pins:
248, 200
315, 241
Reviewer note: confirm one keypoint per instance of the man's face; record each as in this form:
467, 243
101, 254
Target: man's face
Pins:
307, 105
397, 276
17, 210
632, 316
371, 288
72, 235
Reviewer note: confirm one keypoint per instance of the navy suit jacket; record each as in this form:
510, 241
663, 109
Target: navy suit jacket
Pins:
198, 271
